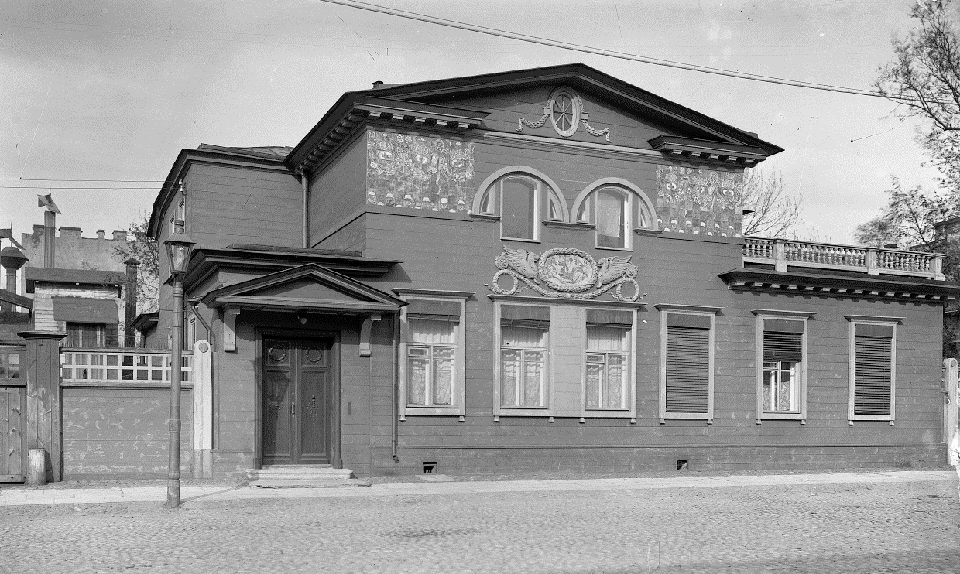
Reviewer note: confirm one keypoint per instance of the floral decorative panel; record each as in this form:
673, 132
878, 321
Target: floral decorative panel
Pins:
420, 172
699, 201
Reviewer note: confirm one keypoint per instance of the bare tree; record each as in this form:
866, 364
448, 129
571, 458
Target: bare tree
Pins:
147, 252
775, 213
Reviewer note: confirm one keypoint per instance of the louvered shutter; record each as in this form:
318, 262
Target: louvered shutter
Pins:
688, 364
782, 340
873, 370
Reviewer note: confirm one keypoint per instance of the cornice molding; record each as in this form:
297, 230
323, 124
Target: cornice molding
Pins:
783, 313
692, 308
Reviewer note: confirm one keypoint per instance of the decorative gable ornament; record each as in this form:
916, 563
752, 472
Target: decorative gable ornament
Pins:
565, 111
565, 273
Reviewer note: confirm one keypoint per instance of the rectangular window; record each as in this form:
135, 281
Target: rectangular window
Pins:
178, 217
518, 209
524, 334
872, 371
782, 377
608, 365
431, 351
430, 362
91, 335
686, 377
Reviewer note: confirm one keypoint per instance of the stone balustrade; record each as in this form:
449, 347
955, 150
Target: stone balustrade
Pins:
783, 253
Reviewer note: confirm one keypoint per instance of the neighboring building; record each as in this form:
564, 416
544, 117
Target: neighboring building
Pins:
537, 269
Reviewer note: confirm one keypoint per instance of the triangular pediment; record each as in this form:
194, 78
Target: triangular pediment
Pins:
309, 287
606, 100
612, 112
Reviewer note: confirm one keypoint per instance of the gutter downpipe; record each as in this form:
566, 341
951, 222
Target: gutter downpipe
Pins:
305, 182
396, 385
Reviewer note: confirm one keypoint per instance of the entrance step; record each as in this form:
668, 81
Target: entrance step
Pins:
302, 476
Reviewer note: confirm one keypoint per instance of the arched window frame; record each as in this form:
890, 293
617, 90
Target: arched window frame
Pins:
549, 203
636, 202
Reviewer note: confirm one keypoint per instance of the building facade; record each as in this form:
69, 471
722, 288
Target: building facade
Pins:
538, 269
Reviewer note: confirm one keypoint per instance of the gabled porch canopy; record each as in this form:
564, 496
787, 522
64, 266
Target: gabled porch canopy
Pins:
310, 288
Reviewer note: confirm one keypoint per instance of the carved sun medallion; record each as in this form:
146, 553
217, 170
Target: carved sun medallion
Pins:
565, 110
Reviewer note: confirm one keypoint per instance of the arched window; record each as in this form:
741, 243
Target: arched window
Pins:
521, 201
616, 211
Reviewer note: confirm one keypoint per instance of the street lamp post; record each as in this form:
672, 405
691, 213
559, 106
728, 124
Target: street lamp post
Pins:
178, 252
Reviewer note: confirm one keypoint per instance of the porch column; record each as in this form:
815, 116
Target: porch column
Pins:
44, 409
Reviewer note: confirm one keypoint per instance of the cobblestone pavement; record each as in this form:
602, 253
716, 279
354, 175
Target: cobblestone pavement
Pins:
823, 528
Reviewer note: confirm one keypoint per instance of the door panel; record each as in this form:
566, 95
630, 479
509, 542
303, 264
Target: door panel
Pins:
297, 395
11, 434
277, 409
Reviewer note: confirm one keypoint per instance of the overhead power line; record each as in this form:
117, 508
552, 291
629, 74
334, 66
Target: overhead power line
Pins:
92, 180
49, 189
604, 52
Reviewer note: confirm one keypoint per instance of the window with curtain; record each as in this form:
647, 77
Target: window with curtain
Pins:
91, 335
615, 211
430, 362
432, 377
524, 332
782, 363
608, 359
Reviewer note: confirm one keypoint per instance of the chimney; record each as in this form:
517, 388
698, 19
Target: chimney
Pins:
49, 238
101, 233
130, 303
12, 259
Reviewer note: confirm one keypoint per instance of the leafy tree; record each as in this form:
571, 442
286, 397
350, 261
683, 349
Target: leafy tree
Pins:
145, 250
775, 212
908, 218
924, 80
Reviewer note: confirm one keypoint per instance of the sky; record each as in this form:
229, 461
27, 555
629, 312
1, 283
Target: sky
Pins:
105, 90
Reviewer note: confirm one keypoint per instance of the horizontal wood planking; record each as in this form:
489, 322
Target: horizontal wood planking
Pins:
242, 205
339, 189
121, 432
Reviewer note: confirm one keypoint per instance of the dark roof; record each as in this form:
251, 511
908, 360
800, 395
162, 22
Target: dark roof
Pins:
267, 152
579, 75
269, 259
18, 300
146, 321
72, 276
841, 282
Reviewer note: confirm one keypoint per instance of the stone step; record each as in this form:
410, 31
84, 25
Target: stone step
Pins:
308, 483
300, 473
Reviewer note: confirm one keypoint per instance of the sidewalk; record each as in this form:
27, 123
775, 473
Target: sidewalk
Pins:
196, 494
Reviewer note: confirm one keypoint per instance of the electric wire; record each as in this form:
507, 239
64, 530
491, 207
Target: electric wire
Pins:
377, 8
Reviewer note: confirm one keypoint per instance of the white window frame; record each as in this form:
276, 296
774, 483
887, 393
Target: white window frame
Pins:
630, 391
801, 413
545, 390
710, 312
855, 320
458, 392
593, 207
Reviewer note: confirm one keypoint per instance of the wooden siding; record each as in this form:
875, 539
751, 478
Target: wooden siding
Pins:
242, 205
339, 190
458, 255
122, 432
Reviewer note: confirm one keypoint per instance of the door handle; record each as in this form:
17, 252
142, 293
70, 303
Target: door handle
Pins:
292, 407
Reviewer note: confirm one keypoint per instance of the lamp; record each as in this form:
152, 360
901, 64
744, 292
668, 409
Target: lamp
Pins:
178, 248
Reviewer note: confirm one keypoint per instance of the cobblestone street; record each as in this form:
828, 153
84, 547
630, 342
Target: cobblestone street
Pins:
852, 527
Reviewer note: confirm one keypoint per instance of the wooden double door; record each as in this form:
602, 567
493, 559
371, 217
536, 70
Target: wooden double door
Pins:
298, 401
